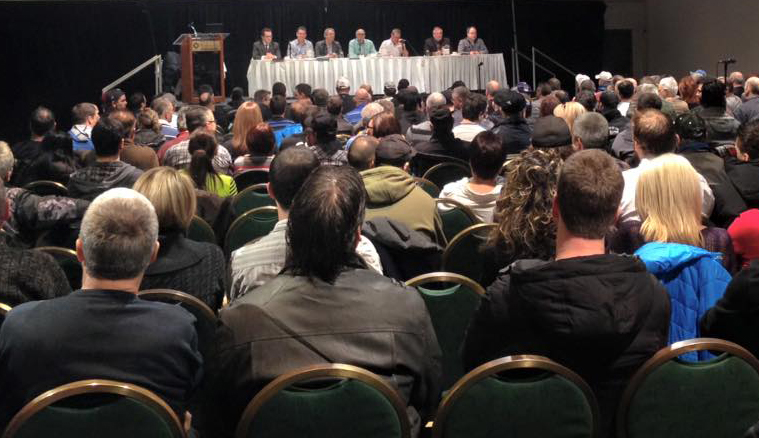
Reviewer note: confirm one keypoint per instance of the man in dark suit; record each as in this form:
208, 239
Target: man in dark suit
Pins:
103, 331
434, 46
328, 46
265, 48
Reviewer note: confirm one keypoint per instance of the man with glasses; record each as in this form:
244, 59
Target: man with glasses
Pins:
360, 46
198, 118
265, 48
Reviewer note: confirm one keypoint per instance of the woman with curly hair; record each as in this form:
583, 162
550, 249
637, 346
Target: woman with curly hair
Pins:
523, 211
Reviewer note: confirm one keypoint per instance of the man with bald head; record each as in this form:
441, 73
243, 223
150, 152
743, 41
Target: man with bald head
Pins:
749, 109
361, 155
490, 90
103, 330
422, 132
362, 98
360, 46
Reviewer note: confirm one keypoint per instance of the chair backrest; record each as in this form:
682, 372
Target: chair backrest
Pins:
464, 255
670, 397
348, 402
248, 178
251, 225
67, 260
456, 217
518, 396
423, 162
251, 198
451, 301
200, 231
96, 408
428, 186
450, 171
47, 188
205, 318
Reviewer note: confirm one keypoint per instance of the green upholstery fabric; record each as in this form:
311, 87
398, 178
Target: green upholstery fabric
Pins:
466, 258
349, 409
451, 310
718, 398
546, 407
455, 221
252, 227
431, 189
113, 417
248, 200
200, 231
448, 173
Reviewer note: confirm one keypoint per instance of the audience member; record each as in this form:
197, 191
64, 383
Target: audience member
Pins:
409, 113
141, 157
481, 191
335, 109
422, 132
41, 122
84, 117
382, 125
548, 105
183, 135
281, 126
587, 99
363, 97
262, 98
654, 135
442, 143
165, 110
690, 91
607, 106
319, 97
749, 109
541, 92
114, 100
552, 133
149, 130
196, 268
459, 95
199, 119
247, 117
668, 89
299, 112
136, 103
623, 145
601, 315
203, 149
323, 141
103, 330
55, 162
625, 91
743, 170
108, 171
744, 233
261, 147
472, 112
512, 128
363, 156
721, 128
343, 88
258, 262
668, 197
569, 112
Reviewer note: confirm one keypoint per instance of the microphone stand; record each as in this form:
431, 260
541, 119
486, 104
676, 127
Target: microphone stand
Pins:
479, 74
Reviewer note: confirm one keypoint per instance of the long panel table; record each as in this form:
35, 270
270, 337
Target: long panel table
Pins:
428, 74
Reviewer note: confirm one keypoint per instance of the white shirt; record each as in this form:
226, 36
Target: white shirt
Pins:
387, 48
627, 211
482, 204
623, 107
467, 131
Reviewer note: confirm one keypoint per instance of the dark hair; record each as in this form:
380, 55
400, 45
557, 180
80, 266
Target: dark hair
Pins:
649, 101
303, 89
260, 140
562, 95
110, 97
544, 89
106, 137
319, 97
402, 84
42, 121
625, 89
135, 102
264, 30
323, 220
588, 193
288, 172
277, 105
299, 112
587, 99
486, 155
385, 124
196, 117
208, 99
609, 100
59, 143
126, 121
335, 105
279, 89
748, 139
442, 123
588, 85
474, 105
713, 94
654, 132
555, 84
81, 111
409, 99
202, 148
547, 105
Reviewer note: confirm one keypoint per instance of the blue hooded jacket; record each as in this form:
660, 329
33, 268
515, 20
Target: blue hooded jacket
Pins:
695, 280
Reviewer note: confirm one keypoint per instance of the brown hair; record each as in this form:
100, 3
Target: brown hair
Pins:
588, 193
247, 117
260, 140
148, 119
688, 89
654, 132
385, 124
172, 194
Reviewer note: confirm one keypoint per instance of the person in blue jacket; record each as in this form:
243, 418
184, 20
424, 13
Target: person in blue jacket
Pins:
668, 199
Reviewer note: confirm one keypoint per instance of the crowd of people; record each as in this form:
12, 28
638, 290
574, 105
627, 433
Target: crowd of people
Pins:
625, 220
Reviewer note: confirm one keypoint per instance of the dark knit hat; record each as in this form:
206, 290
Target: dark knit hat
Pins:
394, 149
510, 101
551, 132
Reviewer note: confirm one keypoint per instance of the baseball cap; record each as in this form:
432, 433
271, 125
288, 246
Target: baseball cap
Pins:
394, 149
509, 101
390, 85
700, 72
580, 78
604, 76
523, 87
551, 132
343, 82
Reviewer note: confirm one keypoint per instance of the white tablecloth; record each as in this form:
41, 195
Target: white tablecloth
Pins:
428, 74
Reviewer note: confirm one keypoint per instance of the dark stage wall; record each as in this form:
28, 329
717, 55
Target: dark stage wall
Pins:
60, 53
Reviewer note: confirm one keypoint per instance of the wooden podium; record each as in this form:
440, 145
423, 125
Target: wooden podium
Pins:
202, 63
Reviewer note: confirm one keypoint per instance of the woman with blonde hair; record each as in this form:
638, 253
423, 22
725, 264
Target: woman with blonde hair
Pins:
668, 199
196, 268
247, 117
569, 112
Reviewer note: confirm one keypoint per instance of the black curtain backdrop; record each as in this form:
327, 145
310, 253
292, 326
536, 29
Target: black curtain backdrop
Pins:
59, 53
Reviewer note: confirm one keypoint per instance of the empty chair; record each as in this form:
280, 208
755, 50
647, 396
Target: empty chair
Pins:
518, 396
670, 397
252, 197
345, 402
456, 217
248, 178
47, 188
251, 225
200, 231
68, 261
102, 408
451, 300
464, 254
428, 186
450, 171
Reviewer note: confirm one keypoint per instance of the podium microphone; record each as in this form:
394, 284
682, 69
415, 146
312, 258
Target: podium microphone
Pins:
728, 61
192, 26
